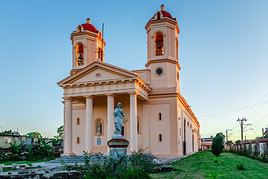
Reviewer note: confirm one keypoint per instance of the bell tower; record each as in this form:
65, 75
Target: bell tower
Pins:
162, 50
88, 45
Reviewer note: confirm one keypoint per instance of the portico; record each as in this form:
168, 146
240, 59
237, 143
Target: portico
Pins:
97, 100
89, 121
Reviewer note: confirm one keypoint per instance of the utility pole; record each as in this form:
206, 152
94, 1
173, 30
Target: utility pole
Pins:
227, 134
241, 121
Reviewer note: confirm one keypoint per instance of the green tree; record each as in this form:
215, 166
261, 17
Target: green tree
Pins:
60, 132
34, 135
6, 132
218, 144
59, 137
9, 132
238, 142
16, 150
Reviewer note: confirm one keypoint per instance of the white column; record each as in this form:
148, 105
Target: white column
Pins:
89, 123
133, 141
110, 116
68, 127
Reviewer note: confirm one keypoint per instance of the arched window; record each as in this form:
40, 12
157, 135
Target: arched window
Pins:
193, 142
177, 48
123, 131
160, 116
160, 137
100, 53
78, 140
79, 55
98, 127
78, 121
138, 127
159, 44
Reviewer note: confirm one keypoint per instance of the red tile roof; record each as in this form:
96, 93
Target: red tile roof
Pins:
89, 27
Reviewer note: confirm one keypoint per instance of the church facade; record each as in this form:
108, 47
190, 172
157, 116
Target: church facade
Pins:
157, 117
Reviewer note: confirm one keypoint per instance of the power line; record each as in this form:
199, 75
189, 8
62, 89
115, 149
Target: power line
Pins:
263, 117
235, 110
245, 107
257, 110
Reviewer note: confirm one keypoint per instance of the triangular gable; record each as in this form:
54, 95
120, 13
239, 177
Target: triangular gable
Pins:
98, 71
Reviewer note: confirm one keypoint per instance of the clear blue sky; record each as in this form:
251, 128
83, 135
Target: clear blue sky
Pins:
223, 54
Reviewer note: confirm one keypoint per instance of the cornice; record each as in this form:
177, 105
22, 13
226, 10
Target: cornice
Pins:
165, 19
97, 83
138, 81
187, 107
142, 84
152, 96
141, 70
88, 33
163, 60
181, 99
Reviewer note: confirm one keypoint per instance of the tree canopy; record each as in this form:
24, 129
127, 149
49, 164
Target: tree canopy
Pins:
60, 132
34, 135
218, 144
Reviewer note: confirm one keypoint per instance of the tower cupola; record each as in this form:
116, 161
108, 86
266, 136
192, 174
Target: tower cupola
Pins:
162, 50
162, 14
162, 36
88, 45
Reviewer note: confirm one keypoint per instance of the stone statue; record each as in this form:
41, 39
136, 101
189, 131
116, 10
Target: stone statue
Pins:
99, 127
118, 145
118, 119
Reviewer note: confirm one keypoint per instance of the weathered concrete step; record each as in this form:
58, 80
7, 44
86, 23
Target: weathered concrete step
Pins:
69, 159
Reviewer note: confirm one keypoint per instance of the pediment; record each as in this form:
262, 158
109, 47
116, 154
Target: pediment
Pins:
98, 71
99, 74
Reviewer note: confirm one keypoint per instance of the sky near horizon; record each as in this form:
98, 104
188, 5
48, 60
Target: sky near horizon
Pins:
223, 54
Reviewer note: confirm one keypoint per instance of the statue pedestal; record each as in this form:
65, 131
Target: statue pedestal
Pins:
118, 147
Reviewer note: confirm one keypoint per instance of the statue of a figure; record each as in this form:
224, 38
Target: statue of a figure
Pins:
99, 127
118, 119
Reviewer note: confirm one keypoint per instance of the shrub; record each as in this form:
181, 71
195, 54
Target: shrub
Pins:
16, 150
134, 166
98, 166
3, 156
264, 157
240, 166
133, 173
144, 161
244, 151
98, 171
163, 168
37, 151
217, 144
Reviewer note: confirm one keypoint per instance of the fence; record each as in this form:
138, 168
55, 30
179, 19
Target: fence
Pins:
257, 149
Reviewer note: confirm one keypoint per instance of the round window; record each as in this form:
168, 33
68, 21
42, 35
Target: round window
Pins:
159, 71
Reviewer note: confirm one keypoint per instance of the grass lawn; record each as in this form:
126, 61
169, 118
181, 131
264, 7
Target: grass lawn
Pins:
202, 165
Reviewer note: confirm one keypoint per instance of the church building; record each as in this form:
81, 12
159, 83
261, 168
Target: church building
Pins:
158, 119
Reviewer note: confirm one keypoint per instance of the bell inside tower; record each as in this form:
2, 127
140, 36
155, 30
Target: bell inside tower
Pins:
79, 54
